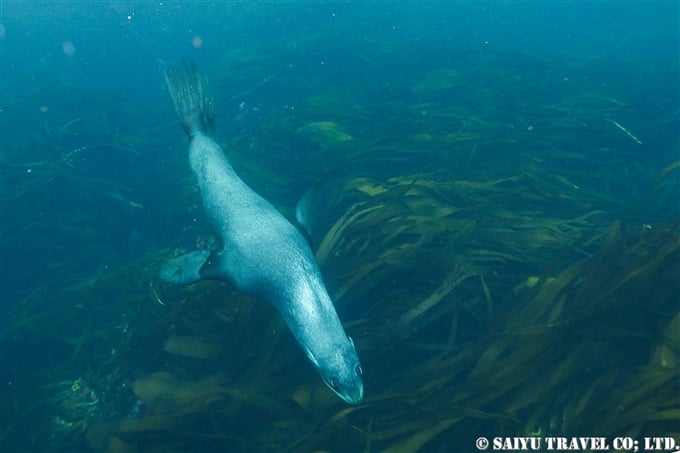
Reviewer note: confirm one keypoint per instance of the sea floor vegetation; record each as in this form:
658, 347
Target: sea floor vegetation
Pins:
498, 241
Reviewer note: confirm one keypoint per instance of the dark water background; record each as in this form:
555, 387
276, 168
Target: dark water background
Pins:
91, 155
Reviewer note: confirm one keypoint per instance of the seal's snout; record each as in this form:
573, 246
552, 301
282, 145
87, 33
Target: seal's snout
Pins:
343, 374
352, 392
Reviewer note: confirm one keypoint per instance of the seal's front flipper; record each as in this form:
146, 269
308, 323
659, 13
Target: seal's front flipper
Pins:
185, 269
305, 214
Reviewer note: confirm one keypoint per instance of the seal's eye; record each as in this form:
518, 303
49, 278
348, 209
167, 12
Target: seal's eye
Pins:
358, 370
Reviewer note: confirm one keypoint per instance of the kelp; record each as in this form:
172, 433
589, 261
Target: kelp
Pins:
504, 381
192, 346
667, 171
163, 393
473, 254
325, 133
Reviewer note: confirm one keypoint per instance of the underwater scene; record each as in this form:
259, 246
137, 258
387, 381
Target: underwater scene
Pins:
491, 191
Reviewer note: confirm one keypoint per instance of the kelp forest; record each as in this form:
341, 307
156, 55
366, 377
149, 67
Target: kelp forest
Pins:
499, 234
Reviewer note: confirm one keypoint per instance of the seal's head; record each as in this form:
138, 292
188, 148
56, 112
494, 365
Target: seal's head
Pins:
341, 371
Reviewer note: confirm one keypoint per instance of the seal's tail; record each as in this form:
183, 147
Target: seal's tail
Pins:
193, 105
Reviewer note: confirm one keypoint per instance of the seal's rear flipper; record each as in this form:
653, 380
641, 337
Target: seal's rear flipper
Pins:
185, 269
193, 104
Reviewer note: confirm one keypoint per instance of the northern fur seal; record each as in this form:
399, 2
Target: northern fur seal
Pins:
263, 254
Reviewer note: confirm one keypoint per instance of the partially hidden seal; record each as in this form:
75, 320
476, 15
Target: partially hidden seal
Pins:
262, 253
